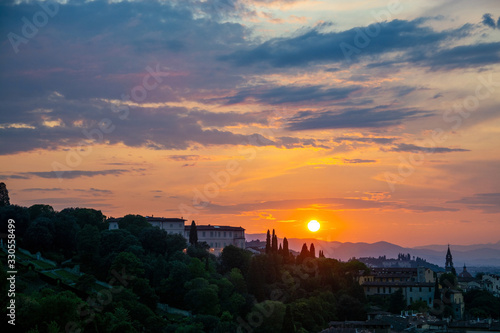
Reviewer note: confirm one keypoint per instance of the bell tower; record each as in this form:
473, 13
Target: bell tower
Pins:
449, 262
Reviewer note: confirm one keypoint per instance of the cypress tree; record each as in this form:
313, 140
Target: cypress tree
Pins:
274, 243
193, 234
4, 195
286, 252
288, 323
304, 253
268, 242
312, 251
436, 302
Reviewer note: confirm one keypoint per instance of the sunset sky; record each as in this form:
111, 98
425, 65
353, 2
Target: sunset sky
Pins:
379, 119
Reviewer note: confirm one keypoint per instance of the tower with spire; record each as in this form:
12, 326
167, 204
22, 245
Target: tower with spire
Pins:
449, 262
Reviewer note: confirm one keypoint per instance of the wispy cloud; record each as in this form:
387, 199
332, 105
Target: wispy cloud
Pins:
404, 147
486, 202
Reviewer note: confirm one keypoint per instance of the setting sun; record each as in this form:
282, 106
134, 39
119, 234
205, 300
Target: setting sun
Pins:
313, 225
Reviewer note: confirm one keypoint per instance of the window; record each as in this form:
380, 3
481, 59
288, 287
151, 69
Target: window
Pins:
420, 289
211, 234
224, 234
230, 234
411, 289
384, 290
411, 299
211, 244
430, 300
390, 290
430, 289
171, 225
367, 289
180, 225
378, 290
218, 233
203, 233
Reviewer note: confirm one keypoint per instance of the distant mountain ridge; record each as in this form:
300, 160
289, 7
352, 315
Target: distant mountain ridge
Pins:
471, 255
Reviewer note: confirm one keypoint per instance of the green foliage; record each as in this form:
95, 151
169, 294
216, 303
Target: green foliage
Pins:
85, 282
151, 265
134, 223
288, 322
271, 313
88, 244
175, 243
39, 210
66, 234
202, 297
40, 235
235, 257
397, 302
17, 213
85, 216
349, 308
482, 304
448, 280
129, 263
238, 281
419, 306
117, 241
153, 240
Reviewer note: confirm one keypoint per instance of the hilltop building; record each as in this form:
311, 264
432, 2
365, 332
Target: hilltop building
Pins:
492, 283
417, 284
217, 237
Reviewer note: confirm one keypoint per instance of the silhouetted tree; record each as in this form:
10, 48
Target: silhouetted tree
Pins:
274, 246
304, 253
4, 195
268, 242
397, 301
286, 251
41, 210
193, 234
288, 323
312, 251
280, 250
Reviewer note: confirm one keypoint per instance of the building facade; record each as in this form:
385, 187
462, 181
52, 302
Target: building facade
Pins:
217, 237
417, 284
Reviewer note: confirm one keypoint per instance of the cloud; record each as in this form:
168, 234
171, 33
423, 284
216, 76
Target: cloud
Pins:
325, 203
315, 46
489, 21
358, 160
403, 147
292, 94
365, 139
37, 189
183, 157
69, 174
488, 203
475, 55
354, 118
